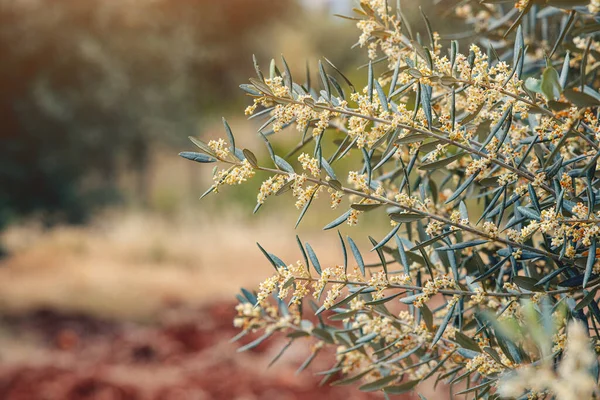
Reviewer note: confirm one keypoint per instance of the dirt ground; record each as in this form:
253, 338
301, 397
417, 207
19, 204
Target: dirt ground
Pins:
186, 355
138, 307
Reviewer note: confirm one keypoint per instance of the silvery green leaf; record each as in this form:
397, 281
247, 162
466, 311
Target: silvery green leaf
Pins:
312, 356
402, 388
426, 103
257, 68
591, 260
338, 221
229, 136
284, 165
250, 89
387, 237
288, 76
462, 208
324, 79
428, 26
305, 257
564, 73
550, 84
443, 326
586, 300
261, 86
198, 157
365, 207
441, 163
581, 99
379, 384
462, 187
406, 217
201, 145
491, 270
453, 53
380, 254
382, 97
305, 209
341, 74
268, 256
370, 84
255, 343
394, 78
410, 299
533, 84
529, 213
313, 258
328, 169
357, 255
431, 241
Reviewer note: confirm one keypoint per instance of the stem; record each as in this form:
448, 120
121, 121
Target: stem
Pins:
433, 133
426, 214
452, 291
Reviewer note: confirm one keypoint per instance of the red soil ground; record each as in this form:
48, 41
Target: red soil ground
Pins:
187, 355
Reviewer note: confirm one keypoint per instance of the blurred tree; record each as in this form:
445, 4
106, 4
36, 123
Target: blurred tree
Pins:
88, 86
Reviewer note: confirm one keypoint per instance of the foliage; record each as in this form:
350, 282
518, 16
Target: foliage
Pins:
485, 162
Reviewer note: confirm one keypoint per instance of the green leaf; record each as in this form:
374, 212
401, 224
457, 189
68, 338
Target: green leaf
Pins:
463, 245
441, 163
344, 252
313, 258
394, 78
309, 360
589, 267
324, 80
387, 237
406, 217
402, 388
432, 240
229, 135
462, 208
534, 85
338, 221
266, 254
281, 352
370, 79
426, 103
341, 74
305, 209
462, 187
378, 384
328, 169
357, 255
550, 85
427, 316
365, 207
198, 157
288, 76
529, 213
443, 325
581, 99
526, 282
250, 157
587, 299
382, 97
466, 342
352, 379
284, 165
254, 343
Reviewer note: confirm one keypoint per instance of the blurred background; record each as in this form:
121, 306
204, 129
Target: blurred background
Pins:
116, 282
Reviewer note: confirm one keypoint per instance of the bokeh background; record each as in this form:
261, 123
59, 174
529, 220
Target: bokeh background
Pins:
116, 282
